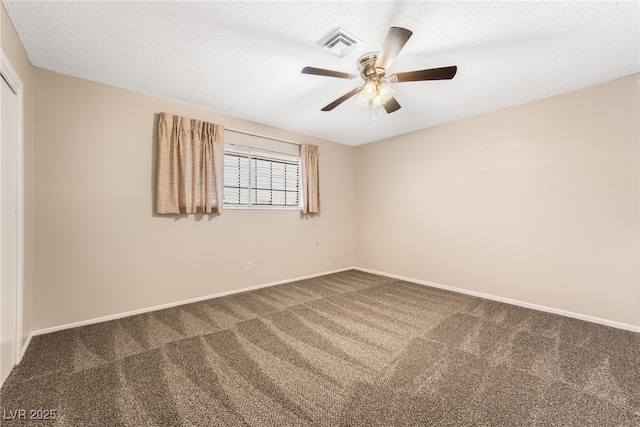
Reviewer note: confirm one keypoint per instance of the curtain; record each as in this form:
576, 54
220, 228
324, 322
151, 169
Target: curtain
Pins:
189, 169
310, 178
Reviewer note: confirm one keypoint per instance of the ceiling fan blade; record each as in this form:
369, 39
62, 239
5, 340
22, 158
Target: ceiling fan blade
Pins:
444, 73
340, 100
393, 43
327, 73
391, 105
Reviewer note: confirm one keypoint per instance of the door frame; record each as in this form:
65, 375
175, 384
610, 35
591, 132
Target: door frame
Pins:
13, 80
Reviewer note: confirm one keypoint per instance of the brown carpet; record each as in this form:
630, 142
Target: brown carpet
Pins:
346, 349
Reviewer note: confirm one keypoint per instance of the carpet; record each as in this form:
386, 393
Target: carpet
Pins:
344, 349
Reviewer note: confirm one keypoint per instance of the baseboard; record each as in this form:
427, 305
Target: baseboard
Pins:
579, 316
24, 346
172, 304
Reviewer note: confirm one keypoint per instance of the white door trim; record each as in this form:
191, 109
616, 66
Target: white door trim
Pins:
12, 78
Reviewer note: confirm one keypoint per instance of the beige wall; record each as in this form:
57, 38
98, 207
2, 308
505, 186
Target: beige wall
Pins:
99, 248
536, 203
12, 47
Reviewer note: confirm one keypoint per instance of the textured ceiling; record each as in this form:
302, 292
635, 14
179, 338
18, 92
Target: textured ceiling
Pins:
244, 58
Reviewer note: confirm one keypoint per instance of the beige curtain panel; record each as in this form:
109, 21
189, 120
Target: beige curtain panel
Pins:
310, 155
189, 169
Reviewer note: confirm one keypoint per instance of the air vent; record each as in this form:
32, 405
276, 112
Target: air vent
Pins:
339, 42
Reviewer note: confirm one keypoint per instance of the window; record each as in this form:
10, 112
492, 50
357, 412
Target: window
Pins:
261, 179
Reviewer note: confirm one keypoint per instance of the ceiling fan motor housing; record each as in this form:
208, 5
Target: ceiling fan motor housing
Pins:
366, 65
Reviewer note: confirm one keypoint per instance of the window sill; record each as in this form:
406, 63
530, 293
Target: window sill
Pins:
263, 208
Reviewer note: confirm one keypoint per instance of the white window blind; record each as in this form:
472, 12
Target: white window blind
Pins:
261, 179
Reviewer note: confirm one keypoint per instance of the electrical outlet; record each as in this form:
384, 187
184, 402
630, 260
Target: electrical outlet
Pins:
249, 266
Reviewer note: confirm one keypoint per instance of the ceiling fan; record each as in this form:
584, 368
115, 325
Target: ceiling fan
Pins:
376, 90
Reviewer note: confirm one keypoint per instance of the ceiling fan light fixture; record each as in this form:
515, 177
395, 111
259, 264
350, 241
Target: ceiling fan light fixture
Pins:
385, 91
369, 90
361, 100
374, 94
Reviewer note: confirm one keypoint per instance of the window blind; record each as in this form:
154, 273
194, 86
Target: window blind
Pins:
255, 178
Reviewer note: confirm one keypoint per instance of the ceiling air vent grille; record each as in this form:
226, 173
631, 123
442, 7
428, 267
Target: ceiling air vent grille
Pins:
339, 42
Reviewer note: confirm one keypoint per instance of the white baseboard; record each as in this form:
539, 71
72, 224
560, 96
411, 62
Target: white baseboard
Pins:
579, 316
172, 304
587, 318
24, 346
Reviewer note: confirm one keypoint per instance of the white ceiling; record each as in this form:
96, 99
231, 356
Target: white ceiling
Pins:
243, 58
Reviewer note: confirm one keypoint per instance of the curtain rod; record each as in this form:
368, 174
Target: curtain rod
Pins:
260, 136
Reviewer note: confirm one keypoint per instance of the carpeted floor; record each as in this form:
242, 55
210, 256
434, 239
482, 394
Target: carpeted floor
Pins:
346, 349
